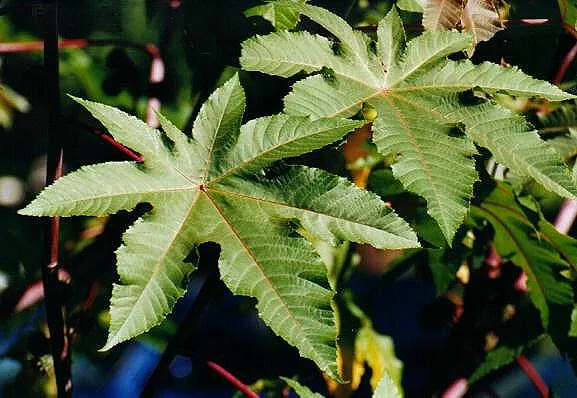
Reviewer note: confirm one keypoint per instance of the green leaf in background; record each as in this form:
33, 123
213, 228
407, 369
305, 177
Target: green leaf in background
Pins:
559, 127
378, 352
516, 240
211, 188
500, 356
386, 388
11, 101
504, 355
568, 9
302, 391
427, 115
443, 269
281, 17
565, 245
573, 327
411, 5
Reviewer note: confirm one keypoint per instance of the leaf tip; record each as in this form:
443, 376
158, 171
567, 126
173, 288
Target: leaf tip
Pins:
27, 211
111, 341
33, 209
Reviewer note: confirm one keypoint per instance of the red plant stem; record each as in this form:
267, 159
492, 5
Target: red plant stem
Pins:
568, 212
232, 379
535, 377
31, 46
565, 63
34, 293
52, 289
566, 216
129, 152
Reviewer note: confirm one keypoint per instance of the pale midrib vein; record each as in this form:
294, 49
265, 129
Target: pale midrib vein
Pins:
300, 209
264, 153
122, 194
352, 44
377, 93
456, 87
424, 162
156, 268
419, 65
439, 10
259, 266
337, 71
563, 254
208, 161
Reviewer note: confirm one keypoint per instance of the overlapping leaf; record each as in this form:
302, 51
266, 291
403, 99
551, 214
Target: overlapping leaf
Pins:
478, 17
516, 240
212, 188
419, 95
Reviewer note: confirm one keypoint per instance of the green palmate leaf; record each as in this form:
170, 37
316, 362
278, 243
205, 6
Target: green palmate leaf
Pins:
516, 240
280, 16
424, 104
211, 187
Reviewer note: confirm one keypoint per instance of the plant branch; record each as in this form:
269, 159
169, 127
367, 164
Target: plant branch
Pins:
565, 63
232, 379
124, 149
533, 375
50, 267
20, 47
